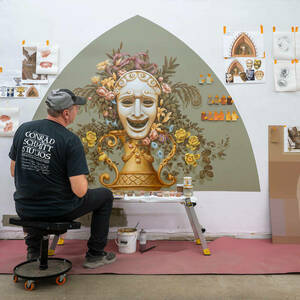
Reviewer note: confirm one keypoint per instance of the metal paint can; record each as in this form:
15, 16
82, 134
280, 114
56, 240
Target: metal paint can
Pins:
187, 182
143, 240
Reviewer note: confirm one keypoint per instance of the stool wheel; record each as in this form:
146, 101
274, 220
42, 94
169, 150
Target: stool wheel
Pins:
29, 285
60, 280
15, 278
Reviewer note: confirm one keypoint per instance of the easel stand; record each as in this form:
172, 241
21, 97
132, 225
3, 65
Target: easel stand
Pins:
189, 205
197, 228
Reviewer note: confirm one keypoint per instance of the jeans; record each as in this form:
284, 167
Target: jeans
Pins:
99, 201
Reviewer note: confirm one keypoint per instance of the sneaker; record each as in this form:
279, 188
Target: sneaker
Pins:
92, 262
33, 255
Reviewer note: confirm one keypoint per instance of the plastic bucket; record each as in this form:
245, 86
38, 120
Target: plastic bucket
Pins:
126, 240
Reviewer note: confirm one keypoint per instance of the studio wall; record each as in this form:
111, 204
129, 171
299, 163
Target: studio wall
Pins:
242, 209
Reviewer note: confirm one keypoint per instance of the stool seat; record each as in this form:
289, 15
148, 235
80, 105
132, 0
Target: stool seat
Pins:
51, 227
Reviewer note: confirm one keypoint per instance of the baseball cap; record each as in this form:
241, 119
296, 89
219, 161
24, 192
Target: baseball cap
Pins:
62, 99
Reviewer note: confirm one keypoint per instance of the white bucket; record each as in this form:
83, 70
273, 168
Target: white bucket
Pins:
126, 240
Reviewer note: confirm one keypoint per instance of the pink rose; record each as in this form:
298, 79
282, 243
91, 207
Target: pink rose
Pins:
153, 135
89, 98
162, 138
110, 96
166, 89
101, 91
105, 113
160, 79
121, 72
146, 141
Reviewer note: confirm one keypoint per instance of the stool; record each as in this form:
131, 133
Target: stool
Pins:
43, 267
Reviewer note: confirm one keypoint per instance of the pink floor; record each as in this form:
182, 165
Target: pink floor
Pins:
228, 256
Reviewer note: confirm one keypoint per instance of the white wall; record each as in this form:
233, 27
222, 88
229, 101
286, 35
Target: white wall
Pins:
198, 23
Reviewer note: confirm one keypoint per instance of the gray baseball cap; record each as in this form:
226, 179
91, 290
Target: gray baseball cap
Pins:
62, 99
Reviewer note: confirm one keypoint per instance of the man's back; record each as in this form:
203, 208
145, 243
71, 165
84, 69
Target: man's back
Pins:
46, 155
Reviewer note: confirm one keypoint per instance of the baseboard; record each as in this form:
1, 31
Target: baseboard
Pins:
83, 234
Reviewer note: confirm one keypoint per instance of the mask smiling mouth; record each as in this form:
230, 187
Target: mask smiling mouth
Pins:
138, 124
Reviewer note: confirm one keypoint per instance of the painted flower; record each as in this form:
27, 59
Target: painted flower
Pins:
162, 138
95, 79
193, 142
121, 72
160, 79
146, 141
90, 138
171, 128
110, 96
101, 91
153, 135
166, 88
101, 66
160, 154
154, 145
102, 156
109, 82
191, 158
181, 135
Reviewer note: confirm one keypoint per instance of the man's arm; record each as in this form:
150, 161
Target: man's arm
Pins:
79, 185
12, 168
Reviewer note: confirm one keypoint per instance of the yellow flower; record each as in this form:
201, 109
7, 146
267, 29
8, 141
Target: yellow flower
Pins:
193, 142
191, 158
156, 126
90, 138
181, 135
95, 79
101, 66
102, 156
109, 82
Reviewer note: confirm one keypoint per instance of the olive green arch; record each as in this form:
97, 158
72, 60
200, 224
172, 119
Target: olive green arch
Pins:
238, 171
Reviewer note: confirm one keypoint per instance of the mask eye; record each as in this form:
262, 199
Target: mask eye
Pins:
127, 102
148, 102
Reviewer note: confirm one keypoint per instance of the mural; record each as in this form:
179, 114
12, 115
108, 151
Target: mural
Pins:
139, 104
141, 127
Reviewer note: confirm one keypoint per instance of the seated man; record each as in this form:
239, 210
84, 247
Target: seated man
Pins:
49, 166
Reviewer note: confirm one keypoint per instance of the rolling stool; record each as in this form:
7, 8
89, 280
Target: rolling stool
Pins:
43, 267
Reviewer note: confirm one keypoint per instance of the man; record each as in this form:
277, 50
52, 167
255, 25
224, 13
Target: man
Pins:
49, 166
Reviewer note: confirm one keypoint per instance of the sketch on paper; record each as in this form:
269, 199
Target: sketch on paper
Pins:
284, 76
9, 120
245, 70
29, 74
47, 60
292, 139
243, 44
283, 45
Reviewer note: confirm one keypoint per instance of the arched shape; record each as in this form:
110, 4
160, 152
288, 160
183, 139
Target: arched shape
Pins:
235, 68
243, 47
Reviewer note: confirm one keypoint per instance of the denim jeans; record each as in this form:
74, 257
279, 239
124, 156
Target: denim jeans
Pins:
99, 201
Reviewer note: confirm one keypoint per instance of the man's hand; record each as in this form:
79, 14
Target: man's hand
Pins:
79, 185
12, 168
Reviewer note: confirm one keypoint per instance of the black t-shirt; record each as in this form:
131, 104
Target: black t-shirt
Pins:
46, 155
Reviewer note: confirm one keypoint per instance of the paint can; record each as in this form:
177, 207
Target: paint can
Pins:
187, 182
143, 240
126, 240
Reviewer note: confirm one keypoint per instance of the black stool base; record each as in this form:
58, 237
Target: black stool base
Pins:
30, 269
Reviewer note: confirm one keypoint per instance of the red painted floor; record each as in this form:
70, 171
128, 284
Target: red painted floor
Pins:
228, 256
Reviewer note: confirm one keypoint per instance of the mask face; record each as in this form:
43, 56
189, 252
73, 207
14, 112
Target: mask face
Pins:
257, 63
249, 64
137, 101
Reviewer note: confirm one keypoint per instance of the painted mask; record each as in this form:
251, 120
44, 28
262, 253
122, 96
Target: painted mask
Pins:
257, 64
243, 76
137, 100
249, 63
